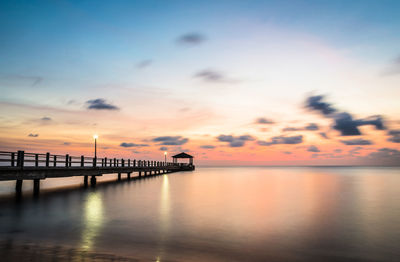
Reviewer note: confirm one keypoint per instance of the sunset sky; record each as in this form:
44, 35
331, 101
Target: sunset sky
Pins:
231, 82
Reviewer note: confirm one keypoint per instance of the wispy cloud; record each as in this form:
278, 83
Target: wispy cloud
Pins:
191, 39
207, 147
288, 140
313, 149
358, 142
33, 135
170, 140
145, 63
100, 104
235, 141
263, 120
124, 144
46, 118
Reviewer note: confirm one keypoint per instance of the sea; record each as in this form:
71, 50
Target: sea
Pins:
210, 214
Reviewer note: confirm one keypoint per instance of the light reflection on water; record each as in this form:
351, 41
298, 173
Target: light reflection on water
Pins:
93, 220
214, 214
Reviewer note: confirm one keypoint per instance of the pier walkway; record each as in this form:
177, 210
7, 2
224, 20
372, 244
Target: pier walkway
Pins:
21, 166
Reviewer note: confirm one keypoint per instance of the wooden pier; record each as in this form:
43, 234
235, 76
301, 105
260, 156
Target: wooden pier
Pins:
20, 166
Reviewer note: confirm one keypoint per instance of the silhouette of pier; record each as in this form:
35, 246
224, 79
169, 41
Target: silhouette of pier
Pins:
20, 166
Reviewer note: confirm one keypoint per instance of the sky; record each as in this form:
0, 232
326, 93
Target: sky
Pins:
230, 82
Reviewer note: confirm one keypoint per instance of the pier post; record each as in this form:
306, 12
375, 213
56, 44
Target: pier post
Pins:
85, 181
122, 162
105, 161
12, 159
20, 164
129, 163
140, 174
36, 186
66, 160
36, 160
129, 176
82, 161
55, 160
93, 181
119, 176
134, 162
47, 159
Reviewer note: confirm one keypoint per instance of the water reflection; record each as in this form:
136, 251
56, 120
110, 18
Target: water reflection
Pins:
164, 215
93, 220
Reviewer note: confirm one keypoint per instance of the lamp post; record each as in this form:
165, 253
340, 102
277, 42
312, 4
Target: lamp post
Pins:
95, 146
165, 157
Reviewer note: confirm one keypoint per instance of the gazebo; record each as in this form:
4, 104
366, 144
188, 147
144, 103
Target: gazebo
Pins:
182, 155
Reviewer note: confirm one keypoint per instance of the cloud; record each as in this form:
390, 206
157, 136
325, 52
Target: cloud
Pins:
311, 127
356, 142
287, 140
207, 146
287, 152
33, 135
210, 75
323, 135
33, 80
191, 39
308, 127
163, 148
384, 156
262, 120
395, 136
313, 149
46, 118
143, 64
343, 121
235, 141
170, 140
100, 104
316, 103
347, 126
291, 129
67, 143
124, 144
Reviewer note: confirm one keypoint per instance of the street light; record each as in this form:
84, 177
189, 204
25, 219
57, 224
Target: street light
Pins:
95, 145
165, 156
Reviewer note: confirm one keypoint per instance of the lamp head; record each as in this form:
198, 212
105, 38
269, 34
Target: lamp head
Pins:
95, 136
165, 153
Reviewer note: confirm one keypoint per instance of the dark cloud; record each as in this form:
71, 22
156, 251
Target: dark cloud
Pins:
235, 141
313, 149
395, 136
67, 143
33, 135
46, 118
356, 142
316, 103
191, 39
355, 150
163, 148
287, 152
143, 64
343, 121
207, 146
287, 140
100, 104
170, 140
124, 144
263, 120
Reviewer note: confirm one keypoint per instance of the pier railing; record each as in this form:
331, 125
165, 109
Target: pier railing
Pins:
22, 158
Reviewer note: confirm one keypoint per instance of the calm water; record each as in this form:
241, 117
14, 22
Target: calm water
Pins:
212, 214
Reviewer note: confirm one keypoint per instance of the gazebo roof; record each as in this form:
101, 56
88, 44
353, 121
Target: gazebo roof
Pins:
182, 155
